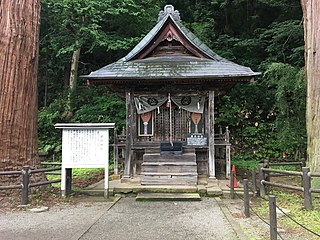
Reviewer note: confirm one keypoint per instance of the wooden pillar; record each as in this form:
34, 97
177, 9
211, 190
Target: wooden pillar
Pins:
130, 128
212, 171
116, 153
228, 161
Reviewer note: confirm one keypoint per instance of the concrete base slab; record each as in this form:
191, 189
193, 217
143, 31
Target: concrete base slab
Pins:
202, 189
114, 177
135, 180
39, 209
131, 187
214, 191
95, 192
168, 197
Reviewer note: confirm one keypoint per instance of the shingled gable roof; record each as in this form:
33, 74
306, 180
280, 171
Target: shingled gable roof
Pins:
205, 65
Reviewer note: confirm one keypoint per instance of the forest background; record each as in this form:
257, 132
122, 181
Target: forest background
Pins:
266, 118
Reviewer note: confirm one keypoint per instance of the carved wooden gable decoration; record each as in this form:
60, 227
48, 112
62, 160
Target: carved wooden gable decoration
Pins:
169, 40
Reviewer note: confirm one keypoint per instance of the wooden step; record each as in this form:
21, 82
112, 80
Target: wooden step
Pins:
158, 169
168, 174
168, 197
190, 180
188, 150
169, 163
157, 157
169, 167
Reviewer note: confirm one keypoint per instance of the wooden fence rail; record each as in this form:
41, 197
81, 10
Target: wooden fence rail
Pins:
264, 179
25, 185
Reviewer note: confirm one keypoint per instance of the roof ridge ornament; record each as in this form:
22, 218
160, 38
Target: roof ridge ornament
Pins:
169, 9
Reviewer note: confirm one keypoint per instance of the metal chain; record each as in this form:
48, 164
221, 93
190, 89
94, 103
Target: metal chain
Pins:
258, 215
301, 225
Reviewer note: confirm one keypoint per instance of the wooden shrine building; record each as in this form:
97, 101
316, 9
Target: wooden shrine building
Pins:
170, 81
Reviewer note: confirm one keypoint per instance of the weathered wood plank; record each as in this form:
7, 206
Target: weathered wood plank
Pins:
212, 171
169, 168
156, 157
165, 180
130, 129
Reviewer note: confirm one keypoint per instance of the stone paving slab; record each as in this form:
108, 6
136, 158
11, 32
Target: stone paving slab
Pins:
168, 197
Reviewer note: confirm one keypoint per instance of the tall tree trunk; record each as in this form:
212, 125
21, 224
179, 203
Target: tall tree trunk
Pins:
67, 115
19, 43
74, 69
311, 15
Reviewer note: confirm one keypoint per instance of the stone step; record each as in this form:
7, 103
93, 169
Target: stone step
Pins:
168, 197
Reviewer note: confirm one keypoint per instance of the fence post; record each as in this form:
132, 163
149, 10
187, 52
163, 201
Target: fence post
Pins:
254, 183
306, 188
273, 217
25, 185
246, 198
266, 164
261, 177
231, 185
303, 163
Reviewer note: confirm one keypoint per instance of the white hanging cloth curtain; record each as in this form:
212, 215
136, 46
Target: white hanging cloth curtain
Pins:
146, 104
189, 103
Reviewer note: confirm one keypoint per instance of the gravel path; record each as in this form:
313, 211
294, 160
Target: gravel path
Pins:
60, 222
162, 220
127, 219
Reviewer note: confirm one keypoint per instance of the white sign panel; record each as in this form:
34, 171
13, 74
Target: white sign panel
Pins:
85, 145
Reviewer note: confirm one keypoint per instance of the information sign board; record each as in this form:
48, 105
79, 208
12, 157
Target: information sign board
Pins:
85, 145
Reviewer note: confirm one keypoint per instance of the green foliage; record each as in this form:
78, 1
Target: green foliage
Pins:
85, 173
270, 122
104, 30
102, 109
284, 42
89, 104
290, 105
244, 161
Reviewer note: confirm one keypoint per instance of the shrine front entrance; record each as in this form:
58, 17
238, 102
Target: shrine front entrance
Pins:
171, 122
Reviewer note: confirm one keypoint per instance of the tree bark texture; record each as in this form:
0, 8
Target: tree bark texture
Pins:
74, 69
19, 43
311, 14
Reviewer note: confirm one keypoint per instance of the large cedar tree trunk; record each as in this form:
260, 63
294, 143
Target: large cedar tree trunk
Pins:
19, 42
311, 14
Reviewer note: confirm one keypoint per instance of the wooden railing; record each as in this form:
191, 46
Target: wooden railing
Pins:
265, 174
25, 185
